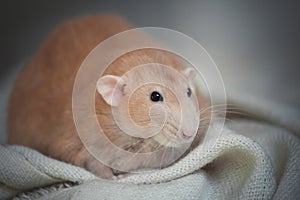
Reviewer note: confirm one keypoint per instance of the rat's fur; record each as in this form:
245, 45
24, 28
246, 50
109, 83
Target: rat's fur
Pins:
40, 109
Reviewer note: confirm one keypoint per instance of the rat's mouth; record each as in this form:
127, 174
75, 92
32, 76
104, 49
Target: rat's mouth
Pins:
172, 136
169, 139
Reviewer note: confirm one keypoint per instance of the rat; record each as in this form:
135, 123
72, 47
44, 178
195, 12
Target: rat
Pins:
40, 107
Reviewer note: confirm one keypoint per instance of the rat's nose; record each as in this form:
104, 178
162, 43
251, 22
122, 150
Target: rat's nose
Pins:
186, 135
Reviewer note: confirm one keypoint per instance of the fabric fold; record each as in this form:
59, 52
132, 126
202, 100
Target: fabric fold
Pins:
249, 159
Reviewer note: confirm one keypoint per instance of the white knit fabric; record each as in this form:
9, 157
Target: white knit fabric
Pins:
249, 160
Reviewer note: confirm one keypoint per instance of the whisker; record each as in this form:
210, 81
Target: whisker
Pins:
158, 146
163, 156
143, 147
130, 145
225, 106
174, 131
172, 152
230, 120
240, 113
204, 120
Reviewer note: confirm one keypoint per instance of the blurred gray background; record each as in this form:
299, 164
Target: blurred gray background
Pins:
255, 44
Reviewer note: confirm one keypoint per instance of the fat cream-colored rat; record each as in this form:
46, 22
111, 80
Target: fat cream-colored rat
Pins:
40, 109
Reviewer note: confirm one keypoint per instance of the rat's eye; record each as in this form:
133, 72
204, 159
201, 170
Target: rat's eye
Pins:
189, 92
156, 96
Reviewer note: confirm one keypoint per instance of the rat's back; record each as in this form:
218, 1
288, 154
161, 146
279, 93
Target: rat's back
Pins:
40, 108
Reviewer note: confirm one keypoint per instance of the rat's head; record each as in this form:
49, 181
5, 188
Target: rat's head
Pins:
154, 101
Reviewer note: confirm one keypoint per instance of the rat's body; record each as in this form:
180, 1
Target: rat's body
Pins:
40, 110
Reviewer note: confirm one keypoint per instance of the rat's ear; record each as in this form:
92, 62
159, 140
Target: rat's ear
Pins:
111, 88
190, 73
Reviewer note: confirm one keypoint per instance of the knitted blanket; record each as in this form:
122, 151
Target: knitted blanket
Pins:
249, 160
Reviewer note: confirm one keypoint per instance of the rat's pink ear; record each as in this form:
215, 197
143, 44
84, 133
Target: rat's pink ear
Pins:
111, 88
189, 73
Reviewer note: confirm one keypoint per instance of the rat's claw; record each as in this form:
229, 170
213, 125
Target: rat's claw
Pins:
117, 177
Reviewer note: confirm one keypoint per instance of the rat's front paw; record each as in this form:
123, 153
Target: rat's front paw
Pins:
84, 159
124, 165
99, 169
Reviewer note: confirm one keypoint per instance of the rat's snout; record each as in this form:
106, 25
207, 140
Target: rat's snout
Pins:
188, 125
